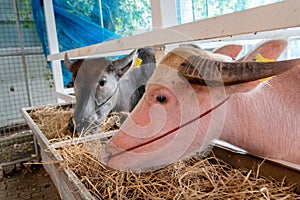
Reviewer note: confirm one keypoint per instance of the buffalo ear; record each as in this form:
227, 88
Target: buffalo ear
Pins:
124, 69
271, 49
231, 50
72, 66
68, 63
122, 65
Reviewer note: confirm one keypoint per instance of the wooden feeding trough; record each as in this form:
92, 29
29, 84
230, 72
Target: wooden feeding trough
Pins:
77, 173
65, 180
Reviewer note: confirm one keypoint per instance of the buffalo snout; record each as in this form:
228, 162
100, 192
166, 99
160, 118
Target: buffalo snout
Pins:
79, 127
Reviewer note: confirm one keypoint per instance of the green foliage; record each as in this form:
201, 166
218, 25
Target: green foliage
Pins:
85, 7
123, 17
128, 16
210, 8
49, 77
25, 14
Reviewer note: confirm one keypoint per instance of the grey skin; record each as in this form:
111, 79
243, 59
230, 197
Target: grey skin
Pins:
102, 86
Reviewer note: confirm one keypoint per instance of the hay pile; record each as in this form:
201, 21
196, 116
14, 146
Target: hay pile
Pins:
193, 178
111, 122
53, 122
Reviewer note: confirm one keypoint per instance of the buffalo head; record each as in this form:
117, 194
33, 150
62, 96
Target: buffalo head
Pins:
96, 84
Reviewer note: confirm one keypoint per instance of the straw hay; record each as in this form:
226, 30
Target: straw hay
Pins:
111, 122
193, 178
53, 122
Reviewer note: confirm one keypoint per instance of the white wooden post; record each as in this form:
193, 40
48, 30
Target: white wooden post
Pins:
53, 46
164, 14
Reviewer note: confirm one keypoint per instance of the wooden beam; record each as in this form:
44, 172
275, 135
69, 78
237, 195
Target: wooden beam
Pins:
65, 96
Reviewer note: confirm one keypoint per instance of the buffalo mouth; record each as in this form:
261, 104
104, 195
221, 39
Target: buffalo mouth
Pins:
85, 126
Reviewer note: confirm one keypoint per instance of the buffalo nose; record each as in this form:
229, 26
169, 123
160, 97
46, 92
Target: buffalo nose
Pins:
71, 125
106, 157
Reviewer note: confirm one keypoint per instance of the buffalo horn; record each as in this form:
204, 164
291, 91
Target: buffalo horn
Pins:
68, 62
204, 71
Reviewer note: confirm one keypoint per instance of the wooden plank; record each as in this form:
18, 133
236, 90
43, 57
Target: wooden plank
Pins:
63, 95
42, 140
66, 182
275, 16
265, 167
96, 136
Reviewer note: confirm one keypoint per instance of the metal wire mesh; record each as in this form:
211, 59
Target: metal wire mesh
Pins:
25, 79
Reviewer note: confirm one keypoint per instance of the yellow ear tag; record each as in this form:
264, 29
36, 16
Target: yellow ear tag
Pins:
137, 62
260, 58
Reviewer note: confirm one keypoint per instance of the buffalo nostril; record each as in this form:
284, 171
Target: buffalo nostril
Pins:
106, 157
71, 126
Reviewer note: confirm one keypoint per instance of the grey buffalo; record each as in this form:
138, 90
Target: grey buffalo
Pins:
102, 86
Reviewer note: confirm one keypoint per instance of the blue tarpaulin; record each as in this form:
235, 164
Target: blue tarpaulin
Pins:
74, 29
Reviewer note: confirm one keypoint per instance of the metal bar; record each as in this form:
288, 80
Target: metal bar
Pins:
251, 21
20, 36
193, 9
15, 161
206, 8
101, 14
16, 140
36, 148
18, 54
18, 51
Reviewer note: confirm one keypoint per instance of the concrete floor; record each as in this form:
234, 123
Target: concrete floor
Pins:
34, 184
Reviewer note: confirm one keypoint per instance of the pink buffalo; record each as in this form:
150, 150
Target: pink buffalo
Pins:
195, 96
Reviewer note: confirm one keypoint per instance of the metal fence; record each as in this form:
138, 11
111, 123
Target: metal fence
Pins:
25, 79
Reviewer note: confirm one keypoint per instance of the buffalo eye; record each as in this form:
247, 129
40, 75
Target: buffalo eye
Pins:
102, 82
161, 98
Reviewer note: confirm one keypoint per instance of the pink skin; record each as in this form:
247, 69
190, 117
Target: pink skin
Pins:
247, 119
269, 124
231, 50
